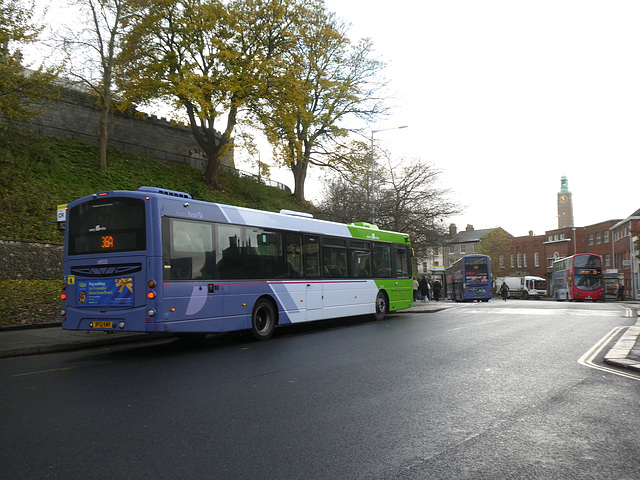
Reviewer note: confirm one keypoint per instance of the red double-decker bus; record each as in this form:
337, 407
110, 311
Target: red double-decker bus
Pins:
578, 277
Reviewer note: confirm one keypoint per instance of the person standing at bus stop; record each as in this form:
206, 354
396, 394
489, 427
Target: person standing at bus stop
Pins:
437, 286
504, 291
416, 289
424, 289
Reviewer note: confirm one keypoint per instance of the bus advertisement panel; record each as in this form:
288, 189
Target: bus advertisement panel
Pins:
156, 260
469, 278
578, 277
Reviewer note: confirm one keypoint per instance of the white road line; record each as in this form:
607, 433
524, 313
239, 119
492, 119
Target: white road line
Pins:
548, 312
587, 358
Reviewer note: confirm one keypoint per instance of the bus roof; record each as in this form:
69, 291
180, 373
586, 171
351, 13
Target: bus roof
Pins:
180, 204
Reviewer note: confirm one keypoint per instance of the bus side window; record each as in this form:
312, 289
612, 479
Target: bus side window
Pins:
190, 244
264, 257
382, 260
403, 269
293, 247
312, 257
229, 252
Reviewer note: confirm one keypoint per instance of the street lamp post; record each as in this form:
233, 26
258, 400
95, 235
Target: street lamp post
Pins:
373, 201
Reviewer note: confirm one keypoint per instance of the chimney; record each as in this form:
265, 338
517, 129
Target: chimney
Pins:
452, 229
469, 228
531, 233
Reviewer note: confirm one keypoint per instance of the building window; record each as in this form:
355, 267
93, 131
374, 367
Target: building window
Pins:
598, 239
501, 261
474, 247
452, 249
607, 260
519, 260
606, 236
450, 262
551, 238
524, 258
562, 236
463, 249
555, 238
591, 239
536, 259
436, 251
512, 264
424, 267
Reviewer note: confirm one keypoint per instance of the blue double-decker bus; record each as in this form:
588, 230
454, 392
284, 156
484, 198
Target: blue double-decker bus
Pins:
469, 278
156, 260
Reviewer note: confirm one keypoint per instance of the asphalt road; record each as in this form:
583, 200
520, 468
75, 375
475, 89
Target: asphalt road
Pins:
478, 391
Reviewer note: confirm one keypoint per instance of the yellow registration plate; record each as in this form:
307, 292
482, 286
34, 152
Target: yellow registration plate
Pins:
101, 324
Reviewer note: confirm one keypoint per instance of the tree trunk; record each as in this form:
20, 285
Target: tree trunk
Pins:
215, 150
299, 170
103, 138
211, 174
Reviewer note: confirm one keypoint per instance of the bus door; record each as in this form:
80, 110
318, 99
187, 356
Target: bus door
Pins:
313, 275
402, 265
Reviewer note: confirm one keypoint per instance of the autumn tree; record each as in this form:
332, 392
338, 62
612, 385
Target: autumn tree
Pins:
498, 245
210, 59
324, 80
21, 90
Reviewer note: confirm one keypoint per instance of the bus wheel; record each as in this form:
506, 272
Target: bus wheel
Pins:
382, 306
263, 319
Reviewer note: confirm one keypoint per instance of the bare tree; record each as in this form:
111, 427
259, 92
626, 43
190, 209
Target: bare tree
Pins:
90, 49
408, 200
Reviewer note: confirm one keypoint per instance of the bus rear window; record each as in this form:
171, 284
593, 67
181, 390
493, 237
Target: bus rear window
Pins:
107, 225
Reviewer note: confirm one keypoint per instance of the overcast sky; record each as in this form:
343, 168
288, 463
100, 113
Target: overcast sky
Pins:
506, 97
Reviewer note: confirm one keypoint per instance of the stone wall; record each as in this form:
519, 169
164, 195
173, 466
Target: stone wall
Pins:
76, 116
30, 260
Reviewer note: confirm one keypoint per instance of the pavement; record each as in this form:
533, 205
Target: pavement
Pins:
51, 338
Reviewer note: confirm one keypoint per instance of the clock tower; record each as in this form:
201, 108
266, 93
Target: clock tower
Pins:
565, 205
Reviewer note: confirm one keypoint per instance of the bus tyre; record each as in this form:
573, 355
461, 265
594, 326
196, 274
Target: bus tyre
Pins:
382, 306
263, 319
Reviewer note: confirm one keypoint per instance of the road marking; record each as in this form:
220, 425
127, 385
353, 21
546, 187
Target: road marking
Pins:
43, 371
547, 312
587, 358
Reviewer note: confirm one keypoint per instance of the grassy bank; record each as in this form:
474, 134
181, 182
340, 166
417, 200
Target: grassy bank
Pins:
27, 302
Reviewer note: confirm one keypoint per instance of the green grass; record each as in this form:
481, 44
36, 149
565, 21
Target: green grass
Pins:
28, 302
39, 173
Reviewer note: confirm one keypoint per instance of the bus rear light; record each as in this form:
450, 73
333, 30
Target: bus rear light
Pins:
151, 284
121, 325
64, 286
63, 312
63, 296
151, 295
151, 312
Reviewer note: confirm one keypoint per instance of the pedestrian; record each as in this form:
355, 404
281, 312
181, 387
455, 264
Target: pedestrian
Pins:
620, 295
504, 291
424, 288
436, 290
416, 288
